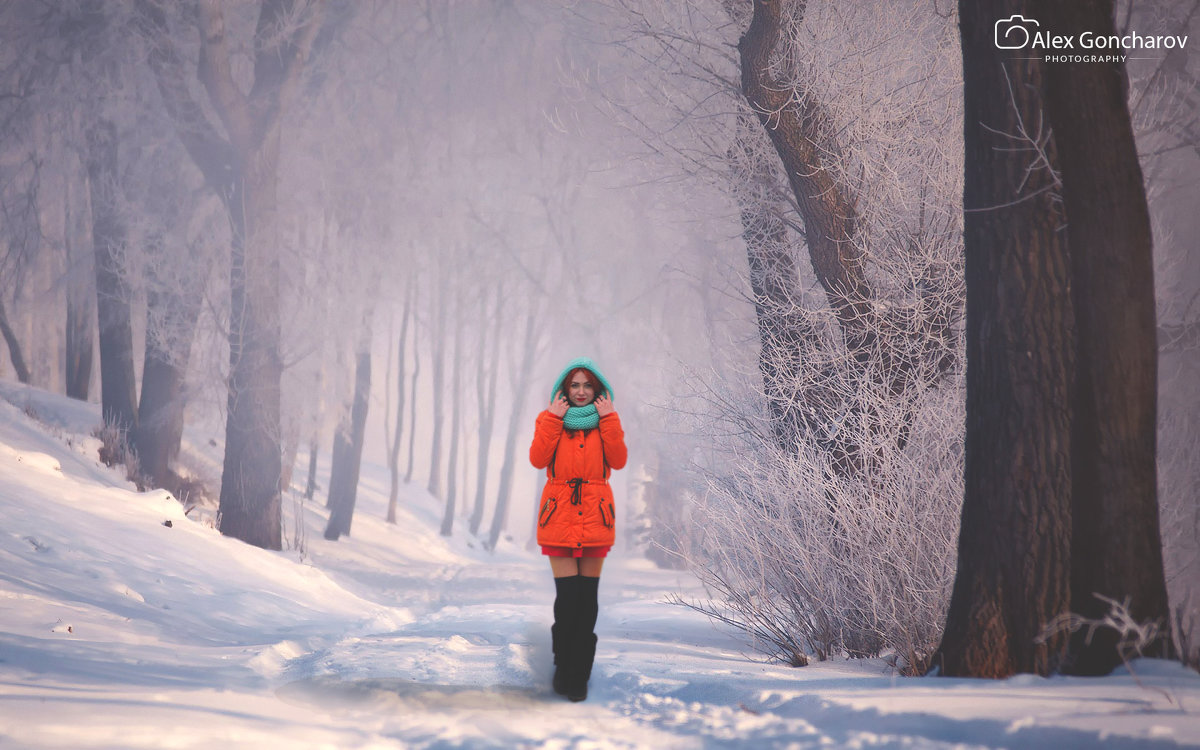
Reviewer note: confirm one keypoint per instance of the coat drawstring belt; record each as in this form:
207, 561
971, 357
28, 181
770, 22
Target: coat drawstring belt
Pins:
576, 484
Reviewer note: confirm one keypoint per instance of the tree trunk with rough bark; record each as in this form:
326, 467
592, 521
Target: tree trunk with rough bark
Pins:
1015, 540
1116, 549
800, 130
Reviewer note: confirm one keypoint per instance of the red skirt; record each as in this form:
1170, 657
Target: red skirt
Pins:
576, 551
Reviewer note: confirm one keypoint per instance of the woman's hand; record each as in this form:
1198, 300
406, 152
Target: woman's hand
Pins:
558, 407
604, 405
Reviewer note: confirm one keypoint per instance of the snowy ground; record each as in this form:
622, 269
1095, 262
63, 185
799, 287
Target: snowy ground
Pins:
118, 631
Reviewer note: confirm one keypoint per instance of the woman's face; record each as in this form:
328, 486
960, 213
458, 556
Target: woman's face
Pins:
579, 390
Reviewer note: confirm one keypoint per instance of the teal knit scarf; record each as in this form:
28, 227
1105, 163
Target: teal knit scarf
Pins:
581, 417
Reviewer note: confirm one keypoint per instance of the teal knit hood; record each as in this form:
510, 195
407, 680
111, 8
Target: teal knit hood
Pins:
581, 417
605, 388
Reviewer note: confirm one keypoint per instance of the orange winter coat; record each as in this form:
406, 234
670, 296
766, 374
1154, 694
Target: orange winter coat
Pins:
577, 502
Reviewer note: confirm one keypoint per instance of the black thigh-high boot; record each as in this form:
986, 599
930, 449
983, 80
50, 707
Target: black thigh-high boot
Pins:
566, 614
584, 646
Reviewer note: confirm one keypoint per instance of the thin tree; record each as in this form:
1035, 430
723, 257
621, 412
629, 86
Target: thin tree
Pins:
412, 413
351, 433
452, 482
437, 345
398, 433
516, 422
485, 392
118, 384
80, 290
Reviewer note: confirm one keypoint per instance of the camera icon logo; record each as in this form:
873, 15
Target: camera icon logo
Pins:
1014, 32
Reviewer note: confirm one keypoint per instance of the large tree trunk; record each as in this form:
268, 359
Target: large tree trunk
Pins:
250, 507
1116, 550
348, 442
240, 163
118, 384
1014, 544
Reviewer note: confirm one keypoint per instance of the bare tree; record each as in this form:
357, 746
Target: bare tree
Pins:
240, 160
522, 371
456, 375
118, 384
845, 195
1079, 528
485, 392
80, 291
351, 432
437, 352
394, 435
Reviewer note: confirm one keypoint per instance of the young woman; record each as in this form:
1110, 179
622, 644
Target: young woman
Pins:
579, 441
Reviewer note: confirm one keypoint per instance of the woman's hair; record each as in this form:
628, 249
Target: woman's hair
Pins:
564, 386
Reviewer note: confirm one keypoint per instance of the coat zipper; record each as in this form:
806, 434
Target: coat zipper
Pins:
606, 517
546, 516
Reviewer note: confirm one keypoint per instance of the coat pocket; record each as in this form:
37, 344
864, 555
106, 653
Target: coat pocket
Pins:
608, 514
547, 511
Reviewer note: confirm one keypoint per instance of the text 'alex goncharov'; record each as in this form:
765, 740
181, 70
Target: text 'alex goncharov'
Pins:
1090, 40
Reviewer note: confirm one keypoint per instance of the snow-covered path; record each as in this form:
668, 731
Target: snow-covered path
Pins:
119, 631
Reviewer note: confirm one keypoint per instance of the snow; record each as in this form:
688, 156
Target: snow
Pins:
118, 631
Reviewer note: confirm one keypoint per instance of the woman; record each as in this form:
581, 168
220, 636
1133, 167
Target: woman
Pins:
579, 441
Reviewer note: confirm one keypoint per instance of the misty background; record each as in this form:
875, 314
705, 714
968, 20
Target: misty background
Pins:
465, 195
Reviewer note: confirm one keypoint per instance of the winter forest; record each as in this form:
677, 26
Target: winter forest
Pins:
903, 326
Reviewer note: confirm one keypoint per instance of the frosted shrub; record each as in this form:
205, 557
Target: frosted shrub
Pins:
807, 562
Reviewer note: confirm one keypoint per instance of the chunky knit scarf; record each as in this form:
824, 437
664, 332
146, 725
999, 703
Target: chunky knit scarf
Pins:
581, 417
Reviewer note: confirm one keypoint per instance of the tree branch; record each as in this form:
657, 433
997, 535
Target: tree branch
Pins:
216, 73
213, 154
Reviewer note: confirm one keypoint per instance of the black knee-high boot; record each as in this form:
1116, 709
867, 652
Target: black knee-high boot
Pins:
584, 642
566, 615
